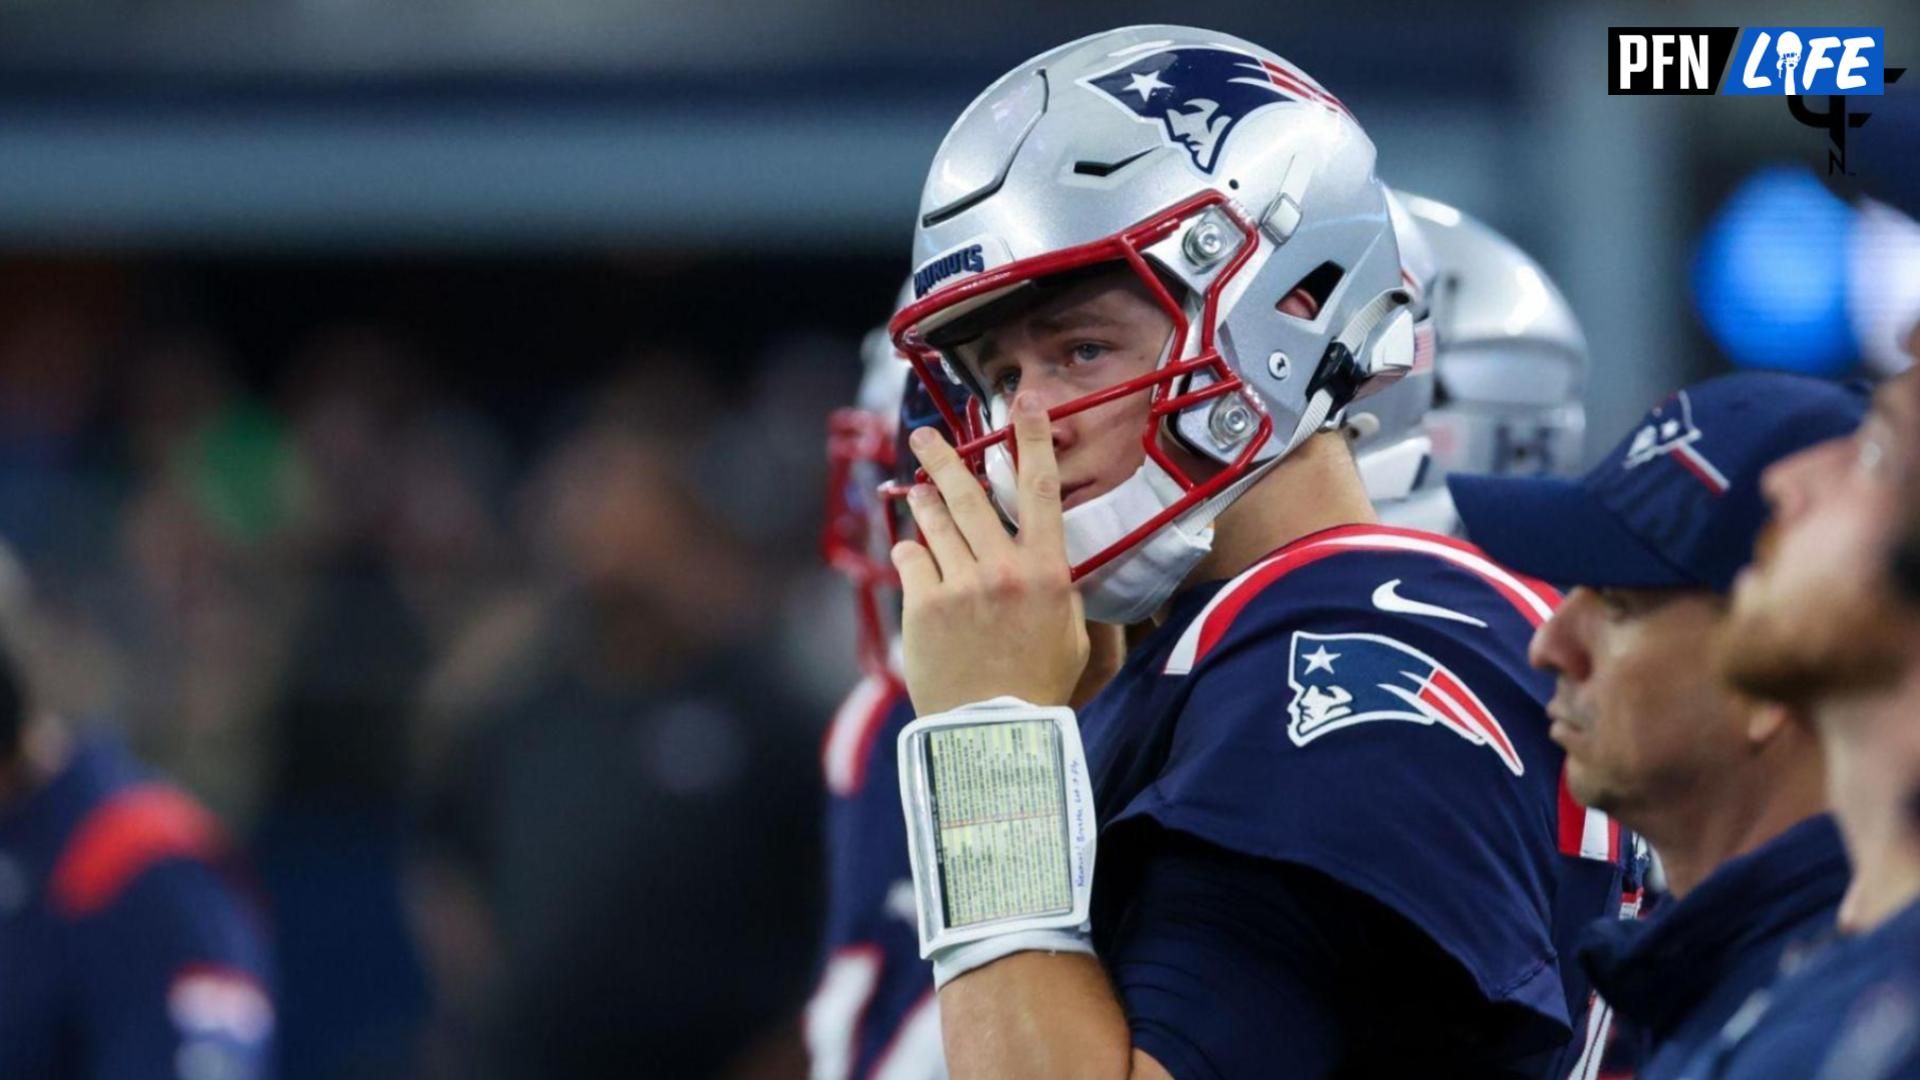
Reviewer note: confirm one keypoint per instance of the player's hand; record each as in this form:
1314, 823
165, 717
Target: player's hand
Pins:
1107, 651
984, 613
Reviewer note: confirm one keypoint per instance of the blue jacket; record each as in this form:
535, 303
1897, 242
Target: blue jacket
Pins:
1678, 976
1848, 1011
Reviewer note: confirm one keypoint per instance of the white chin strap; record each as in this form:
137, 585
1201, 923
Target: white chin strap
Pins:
1134, 584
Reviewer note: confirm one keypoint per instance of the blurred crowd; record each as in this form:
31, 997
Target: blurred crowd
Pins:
504, 705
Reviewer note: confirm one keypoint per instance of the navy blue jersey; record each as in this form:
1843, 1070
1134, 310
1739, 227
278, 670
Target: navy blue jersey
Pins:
126, 951
1356, 715
873, 1013
1680, 976
1849, 1010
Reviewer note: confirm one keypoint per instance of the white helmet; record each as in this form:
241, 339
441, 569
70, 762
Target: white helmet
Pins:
1225, 178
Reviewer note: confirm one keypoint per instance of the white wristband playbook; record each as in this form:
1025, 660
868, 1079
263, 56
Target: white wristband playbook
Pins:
1000, 830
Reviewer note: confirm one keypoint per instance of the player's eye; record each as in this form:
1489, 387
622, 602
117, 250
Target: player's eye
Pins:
1618, 605
1087, 352
1004, 382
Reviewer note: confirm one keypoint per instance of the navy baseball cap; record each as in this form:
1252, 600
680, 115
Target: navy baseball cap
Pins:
1677, 504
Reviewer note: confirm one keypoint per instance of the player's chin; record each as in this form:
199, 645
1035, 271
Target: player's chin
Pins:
1081, 493
1585, 784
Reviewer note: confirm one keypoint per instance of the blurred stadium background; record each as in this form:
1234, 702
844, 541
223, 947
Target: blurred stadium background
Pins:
410, 420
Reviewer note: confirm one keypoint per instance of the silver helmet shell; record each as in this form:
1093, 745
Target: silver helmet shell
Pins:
1512, 361
1225, 178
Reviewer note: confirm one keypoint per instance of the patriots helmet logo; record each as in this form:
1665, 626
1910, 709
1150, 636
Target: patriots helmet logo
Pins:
1340, 680
1199, 93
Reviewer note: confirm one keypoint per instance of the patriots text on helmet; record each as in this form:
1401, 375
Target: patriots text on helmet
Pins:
971, 259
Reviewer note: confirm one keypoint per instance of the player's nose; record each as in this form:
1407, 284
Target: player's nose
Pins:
1558, 645
1053, 395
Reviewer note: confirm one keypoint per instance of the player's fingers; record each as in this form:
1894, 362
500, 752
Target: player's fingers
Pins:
938, 531
973, 513
1041, 529
916, 569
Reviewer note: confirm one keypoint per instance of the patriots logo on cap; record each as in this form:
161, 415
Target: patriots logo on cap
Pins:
1199, 93
1670, 430
1340, 680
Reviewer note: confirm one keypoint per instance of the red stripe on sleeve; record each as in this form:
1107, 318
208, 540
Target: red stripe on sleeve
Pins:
124, 837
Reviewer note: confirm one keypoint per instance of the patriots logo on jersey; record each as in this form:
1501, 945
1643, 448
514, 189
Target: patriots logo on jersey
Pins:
1340, 680
1198, 94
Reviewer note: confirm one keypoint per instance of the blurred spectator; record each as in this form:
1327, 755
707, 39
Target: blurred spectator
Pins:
279, 538
1729, 792
330, 840
621, 839
206, 593
59, 323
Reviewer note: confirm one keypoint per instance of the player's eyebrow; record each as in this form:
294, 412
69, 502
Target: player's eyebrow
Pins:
1073, 319
1069, 320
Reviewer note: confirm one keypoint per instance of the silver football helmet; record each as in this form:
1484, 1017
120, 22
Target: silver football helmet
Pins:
1225, 178
1511, 361
1502, 391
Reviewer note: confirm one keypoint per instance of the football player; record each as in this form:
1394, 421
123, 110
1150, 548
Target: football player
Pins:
872, 1013
1817, 625
1730, 792
1159, 263
129, 949
1510, 362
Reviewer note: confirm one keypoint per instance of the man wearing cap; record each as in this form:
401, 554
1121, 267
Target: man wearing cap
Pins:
1729, 792
1816, 623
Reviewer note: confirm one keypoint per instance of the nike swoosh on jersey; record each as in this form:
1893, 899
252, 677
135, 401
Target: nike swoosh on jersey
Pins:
1387, 598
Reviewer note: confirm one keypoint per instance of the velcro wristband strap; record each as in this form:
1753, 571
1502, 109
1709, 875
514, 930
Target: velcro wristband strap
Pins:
956, 960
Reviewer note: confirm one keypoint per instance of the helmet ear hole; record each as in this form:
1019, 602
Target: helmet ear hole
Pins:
1299, 304
1311, 292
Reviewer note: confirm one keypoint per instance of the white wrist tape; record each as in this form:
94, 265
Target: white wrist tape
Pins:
1000, 830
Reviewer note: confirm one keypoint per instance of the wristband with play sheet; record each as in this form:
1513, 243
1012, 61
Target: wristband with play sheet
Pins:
1000, 821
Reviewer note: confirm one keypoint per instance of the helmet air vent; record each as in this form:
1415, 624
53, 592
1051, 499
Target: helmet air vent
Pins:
979, 151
